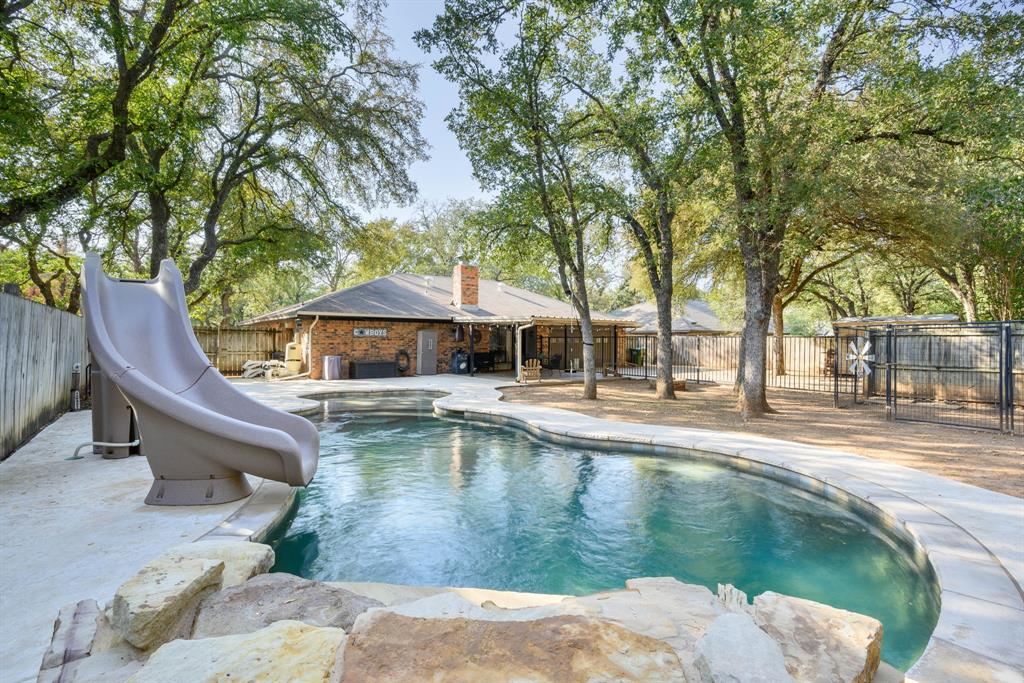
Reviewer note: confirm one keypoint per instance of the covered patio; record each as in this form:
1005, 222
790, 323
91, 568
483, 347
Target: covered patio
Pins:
556, 342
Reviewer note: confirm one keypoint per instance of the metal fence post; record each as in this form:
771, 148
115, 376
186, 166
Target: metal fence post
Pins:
1005, 378
1010, 398
894, 360
698, 360
889, 369
835, 369
647, 354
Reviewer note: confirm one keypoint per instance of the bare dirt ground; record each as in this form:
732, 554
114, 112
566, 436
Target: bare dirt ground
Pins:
982, 458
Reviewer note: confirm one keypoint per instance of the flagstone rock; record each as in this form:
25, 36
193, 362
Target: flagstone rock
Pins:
112, 666
73, 633
735, 650
159, 603
734, 599
821, 643
454, 606
264, 599
285, 651
690, 607
86, 648
242, 559
567, 649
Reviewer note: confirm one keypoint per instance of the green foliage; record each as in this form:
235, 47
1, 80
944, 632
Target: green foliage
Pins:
229, 136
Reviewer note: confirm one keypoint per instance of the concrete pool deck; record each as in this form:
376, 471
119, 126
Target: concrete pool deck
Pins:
77, 529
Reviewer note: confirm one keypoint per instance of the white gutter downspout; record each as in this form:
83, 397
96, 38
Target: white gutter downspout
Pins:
309, 345
519, 349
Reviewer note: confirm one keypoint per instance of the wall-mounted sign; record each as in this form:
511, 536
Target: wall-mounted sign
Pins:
370, 332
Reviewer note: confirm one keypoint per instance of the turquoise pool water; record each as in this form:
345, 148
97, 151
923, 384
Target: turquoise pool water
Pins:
404, 497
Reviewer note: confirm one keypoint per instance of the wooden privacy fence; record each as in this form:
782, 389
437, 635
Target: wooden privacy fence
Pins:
39, 346
229, 347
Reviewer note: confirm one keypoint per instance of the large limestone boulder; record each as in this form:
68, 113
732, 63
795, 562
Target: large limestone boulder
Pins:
821, 643
454, 606
395, 594
285, 651
691, 608
262, 600
663, 608
158, 604
242, 559
735, 650
391, 647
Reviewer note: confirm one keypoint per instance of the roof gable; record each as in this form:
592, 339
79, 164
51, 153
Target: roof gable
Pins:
694, 316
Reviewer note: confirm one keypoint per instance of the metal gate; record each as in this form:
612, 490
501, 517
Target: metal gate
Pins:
966, 375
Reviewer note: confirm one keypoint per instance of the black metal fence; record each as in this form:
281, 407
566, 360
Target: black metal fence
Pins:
808, 363
562, 351
960, 374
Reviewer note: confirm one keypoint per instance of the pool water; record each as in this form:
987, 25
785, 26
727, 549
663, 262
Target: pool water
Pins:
402, 496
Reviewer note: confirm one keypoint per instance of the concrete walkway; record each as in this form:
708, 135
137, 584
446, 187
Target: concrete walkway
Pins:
77, 529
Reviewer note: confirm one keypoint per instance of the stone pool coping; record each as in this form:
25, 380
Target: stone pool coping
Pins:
972, 538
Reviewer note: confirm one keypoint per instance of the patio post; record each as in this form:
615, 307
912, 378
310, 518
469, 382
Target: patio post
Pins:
565, 347
615, 349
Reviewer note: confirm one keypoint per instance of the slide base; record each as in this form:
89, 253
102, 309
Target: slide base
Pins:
198, 491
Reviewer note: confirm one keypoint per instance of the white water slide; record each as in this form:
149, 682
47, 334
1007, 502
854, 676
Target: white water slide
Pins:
198, 431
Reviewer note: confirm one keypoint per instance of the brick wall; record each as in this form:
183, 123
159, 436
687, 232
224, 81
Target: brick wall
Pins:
336, 338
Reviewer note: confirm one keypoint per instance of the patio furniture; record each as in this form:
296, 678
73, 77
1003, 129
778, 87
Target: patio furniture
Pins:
500, 357
483, 360
530, 370
552, 364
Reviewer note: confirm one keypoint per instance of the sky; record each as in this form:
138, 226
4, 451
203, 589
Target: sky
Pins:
448, 172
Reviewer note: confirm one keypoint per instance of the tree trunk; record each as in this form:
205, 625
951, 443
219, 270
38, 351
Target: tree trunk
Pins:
225, 306
737, 384
75, 298
589, 365
969, 300
960, 281
160, 216
211, 241
664, 388
753, 398
779, 338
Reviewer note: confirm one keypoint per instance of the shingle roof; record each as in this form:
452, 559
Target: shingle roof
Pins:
429, 297
696, 316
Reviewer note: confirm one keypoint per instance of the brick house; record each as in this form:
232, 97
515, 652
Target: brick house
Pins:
421, 324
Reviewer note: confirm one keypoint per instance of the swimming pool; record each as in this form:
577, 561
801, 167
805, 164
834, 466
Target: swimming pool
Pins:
402, 496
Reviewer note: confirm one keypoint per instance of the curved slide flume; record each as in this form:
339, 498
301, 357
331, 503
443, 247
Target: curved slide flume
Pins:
199, 433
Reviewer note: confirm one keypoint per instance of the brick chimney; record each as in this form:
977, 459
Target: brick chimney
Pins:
466, 285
